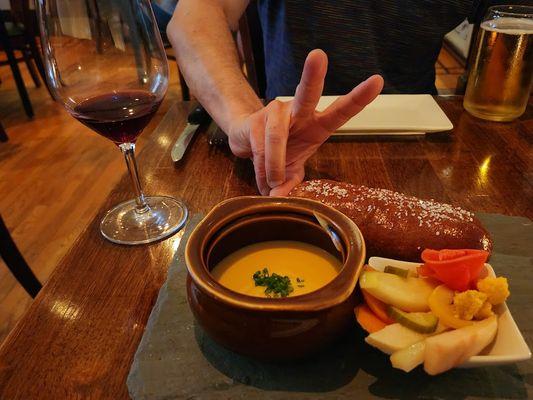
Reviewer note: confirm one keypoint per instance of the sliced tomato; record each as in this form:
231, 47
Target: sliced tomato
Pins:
457, 269
450, 254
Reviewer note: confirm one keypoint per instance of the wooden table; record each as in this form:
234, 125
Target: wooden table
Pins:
78, 338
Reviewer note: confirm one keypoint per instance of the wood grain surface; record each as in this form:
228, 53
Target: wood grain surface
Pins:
78, 338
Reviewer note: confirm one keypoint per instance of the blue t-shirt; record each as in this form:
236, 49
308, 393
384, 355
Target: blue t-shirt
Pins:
399, 39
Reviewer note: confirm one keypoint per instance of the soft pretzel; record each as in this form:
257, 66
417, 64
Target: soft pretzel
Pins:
398, 226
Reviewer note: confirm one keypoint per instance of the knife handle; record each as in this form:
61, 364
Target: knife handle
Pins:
198, 116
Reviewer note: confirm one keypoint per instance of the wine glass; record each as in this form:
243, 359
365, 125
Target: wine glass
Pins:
106, 64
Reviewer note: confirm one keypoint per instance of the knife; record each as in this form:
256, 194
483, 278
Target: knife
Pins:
196, 117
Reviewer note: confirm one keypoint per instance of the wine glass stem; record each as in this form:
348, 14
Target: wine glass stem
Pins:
128, 149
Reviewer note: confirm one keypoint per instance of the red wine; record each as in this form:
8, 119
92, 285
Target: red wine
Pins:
119, 116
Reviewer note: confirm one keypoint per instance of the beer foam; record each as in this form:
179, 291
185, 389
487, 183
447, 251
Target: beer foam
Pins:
510, 26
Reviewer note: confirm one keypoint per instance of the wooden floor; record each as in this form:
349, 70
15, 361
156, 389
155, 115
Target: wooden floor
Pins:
52, 179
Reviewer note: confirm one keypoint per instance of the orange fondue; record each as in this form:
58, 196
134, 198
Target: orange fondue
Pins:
308, 267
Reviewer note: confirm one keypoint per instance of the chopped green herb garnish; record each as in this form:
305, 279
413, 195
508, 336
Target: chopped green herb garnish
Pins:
275, 285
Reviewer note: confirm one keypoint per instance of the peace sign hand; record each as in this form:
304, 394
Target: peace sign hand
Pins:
283, 135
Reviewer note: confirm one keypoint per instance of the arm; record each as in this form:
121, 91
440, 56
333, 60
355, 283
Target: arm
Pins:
279, 137
200, 31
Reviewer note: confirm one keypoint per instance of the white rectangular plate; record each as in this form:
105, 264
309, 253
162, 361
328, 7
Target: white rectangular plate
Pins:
393, 114
508, 347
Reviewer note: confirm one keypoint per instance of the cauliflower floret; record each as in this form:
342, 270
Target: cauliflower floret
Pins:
484, 312
497, 289
468, 303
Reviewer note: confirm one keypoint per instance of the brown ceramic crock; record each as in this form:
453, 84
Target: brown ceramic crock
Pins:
272, 328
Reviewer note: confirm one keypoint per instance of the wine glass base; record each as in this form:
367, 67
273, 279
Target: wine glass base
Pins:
123, 224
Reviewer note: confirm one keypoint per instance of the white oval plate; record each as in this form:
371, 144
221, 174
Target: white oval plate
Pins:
508, 347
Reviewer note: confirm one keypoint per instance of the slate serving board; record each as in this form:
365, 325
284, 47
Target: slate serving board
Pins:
177, 360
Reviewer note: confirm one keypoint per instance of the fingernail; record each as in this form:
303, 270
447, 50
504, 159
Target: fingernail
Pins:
264, 191
273, 184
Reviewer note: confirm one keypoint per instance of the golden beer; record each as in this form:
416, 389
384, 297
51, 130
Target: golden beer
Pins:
499, 82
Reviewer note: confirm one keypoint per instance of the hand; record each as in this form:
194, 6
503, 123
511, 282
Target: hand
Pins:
283, 135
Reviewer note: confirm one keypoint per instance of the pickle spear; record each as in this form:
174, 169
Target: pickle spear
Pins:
421, 322
401, 272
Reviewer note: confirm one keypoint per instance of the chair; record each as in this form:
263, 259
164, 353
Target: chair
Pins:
16, 263
185, 93
3, 134
13, 63
460, 89
252, 49
17, 33
28, 18
476, 18
162, 17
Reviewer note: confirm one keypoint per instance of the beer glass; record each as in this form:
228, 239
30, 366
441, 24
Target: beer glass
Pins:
501, 67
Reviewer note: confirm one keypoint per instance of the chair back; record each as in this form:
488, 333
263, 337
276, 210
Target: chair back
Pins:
21, 15
252, 48
19, 12
15, 262
3, 134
